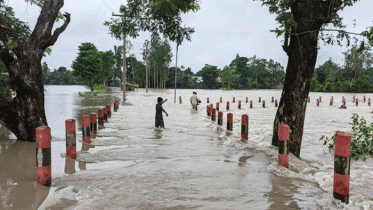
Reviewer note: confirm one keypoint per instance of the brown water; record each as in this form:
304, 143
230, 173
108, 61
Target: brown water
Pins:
192, 164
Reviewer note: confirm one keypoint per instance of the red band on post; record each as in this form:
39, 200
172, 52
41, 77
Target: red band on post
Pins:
343, 144
341, 184
283, 132
283, 160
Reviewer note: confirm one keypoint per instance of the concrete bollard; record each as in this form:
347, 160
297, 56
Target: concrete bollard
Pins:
331, 101
70, 129
239, 104
227, 105
245, 127
221, 100
344, 101
212, 106
230, 122
247, 99
283, 148
93, 124
309, 99
86, 129
180, 100
273, 99
213, 114
208, 100
260, 99
217, 106
353, 99
368, 101
343, 98
101, 117
264, 104
341, 187
220, 118
105, 114
115, 106
207, 110
276, 104
357, 102
320, 99
234, 100
108, 108
69, 166
364, 99
317, 102
251, 104
43, 155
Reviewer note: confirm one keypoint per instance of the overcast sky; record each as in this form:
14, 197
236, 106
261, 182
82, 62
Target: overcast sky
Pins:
223, 29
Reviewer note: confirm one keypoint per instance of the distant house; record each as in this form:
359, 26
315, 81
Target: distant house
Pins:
199, 78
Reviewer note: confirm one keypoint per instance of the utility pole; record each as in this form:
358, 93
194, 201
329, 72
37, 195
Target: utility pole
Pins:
177, 48
124, 77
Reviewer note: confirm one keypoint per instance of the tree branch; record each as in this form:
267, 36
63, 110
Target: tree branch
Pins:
57, 32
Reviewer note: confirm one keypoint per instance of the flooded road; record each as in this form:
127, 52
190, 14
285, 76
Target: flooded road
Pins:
192, 164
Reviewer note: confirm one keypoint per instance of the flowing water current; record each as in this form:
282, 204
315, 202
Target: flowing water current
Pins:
192, 164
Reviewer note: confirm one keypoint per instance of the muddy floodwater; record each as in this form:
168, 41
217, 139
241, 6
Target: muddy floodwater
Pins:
191, 164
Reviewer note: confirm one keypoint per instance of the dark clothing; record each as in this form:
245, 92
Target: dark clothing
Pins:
158, 116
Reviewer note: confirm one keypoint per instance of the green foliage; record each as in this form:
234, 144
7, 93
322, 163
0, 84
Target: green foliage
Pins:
108, 65
88, 65
361, 138
4, 77
356, 75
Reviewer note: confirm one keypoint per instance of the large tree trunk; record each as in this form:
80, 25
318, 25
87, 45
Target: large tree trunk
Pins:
25, 112
302, 53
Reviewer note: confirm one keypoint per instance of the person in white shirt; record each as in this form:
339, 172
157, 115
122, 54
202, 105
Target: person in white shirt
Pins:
194, 100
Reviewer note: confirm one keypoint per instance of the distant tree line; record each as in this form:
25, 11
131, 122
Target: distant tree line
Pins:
355, 75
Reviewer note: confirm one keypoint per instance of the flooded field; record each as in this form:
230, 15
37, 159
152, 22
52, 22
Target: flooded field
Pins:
192, 164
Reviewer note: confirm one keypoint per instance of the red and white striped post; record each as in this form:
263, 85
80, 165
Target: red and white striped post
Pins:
208, 100
276, 104
220, 118
341, 187
43, 155
234, 100
70, 129
86, 129
273, 99
101, 117
247, 99
213, 115
108, 108
251, 104
221, 100
308, 99
364, 99
227, 105
212, 106
239, 104
344, 101
180, 100
283, 148
264, 104
208, 110
368, 101
105, 114
320, 99
230, 122
357, 102
217, 106
353, 99
93, 124
115, 106
317, 102
260, 99
245, 127
331, 101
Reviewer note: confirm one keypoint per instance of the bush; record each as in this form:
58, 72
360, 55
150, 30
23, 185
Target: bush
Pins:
361, 138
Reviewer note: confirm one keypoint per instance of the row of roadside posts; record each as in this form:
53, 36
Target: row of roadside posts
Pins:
341, 186
43, 140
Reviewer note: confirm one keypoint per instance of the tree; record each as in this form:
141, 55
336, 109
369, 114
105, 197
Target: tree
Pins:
228, 77
301, 21
210, 76
108, 63
88, 65
46, 73
21, 51
118, 52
